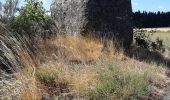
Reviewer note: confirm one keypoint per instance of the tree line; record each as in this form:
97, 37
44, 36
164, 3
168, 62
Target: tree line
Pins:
151, 19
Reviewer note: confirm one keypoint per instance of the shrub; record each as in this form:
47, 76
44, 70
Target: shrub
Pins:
8, 10
32, 19
143, 40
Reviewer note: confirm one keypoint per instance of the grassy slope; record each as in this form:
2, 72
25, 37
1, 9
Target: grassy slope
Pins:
70, 67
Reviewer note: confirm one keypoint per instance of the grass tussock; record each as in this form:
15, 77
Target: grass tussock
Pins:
79, 68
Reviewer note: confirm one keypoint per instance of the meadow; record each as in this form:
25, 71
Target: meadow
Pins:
165, 36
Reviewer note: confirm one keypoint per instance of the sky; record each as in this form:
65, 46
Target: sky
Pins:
151, 5
142, 5
46, 3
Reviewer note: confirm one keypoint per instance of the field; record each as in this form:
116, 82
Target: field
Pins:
161, 33
165, 36
165, 29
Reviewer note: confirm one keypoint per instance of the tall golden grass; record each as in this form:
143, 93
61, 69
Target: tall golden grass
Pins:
70, 67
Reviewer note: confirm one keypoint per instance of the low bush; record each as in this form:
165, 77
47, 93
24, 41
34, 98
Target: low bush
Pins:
143, 39
32, 20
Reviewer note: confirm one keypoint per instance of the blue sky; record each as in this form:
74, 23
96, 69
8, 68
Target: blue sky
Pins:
151, 5
46, 3
142, 5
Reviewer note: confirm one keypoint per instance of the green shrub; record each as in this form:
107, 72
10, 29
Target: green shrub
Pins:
143, 39
32, 18
8, 10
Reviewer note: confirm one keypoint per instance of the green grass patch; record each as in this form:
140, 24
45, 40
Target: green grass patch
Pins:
117, 84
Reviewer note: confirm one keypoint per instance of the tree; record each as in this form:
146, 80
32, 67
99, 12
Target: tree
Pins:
32, 19
151, 19
8, 10
0, 11
0, 6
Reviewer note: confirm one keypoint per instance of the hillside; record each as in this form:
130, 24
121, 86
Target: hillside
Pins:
43, 59
68, 67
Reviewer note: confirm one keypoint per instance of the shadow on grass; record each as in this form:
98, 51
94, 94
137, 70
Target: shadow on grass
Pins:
148, 56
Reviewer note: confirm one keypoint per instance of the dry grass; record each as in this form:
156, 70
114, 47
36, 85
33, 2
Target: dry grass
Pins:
76, 48
77, 81
71, 67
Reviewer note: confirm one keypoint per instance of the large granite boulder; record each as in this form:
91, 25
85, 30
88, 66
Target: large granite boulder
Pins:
108, 19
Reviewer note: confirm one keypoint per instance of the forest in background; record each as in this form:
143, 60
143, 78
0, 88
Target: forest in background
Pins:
151, 19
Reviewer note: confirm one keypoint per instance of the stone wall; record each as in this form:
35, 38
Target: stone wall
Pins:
104, 18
